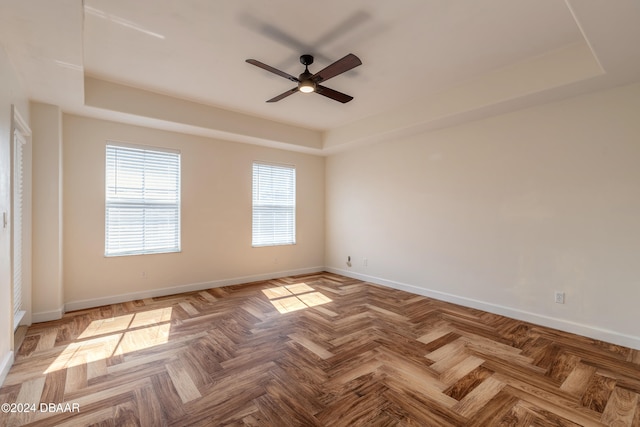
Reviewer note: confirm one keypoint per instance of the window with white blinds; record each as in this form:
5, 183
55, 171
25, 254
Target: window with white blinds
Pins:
274, 205
18, 235
142, 201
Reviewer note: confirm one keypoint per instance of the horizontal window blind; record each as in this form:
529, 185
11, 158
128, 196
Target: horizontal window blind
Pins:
142, 201
274, 205
18, 235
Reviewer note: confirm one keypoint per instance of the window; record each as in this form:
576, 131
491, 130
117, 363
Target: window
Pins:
142, 201
21, 211
274, 205
18, 237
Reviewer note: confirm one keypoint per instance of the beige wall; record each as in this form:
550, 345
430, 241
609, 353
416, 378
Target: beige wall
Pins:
500, 213
216, 216
47, 287
10, 93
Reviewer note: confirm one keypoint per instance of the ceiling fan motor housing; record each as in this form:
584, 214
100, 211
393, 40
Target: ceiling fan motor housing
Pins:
306, 84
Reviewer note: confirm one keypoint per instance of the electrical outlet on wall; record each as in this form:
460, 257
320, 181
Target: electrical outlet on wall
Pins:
559, 297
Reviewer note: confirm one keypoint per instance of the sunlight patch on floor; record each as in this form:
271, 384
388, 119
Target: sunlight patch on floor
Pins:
119, 335
295, 297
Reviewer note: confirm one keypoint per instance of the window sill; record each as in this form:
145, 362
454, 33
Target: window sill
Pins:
17, 318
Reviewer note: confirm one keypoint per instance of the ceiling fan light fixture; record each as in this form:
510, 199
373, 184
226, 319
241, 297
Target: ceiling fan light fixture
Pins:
307, 86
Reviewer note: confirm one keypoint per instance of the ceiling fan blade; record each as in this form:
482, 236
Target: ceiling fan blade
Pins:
273, 70
283, 95
340, 66
333, 94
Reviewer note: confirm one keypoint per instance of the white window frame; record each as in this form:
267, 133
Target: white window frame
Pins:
143, 214
273, 212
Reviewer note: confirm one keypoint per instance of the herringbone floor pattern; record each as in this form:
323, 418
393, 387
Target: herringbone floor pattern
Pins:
316, 350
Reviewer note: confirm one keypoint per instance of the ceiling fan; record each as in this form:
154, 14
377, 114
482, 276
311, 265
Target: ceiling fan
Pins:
308, 82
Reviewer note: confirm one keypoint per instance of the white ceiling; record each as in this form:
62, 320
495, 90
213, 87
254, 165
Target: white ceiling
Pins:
426, 63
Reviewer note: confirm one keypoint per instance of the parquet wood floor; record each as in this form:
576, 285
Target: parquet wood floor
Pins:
315, 350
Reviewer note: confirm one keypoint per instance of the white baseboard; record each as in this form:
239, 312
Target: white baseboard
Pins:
548, 321
5, 365
46, 316
151, 293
